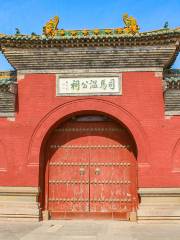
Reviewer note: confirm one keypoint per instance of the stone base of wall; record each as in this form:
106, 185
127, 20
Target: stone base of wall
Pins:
159, 204
19, 203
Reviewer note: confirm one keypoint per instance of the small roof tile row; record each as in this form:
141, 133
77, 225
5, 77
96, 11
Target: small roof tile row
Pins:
100, 34
7, 77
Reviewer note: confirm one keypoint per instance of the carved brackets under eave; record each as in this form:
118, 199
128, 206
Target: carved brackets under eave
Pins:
8, 100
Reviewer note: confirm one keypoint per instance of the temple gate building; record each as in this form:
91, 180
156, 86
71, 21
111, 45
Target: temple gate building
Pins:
90, 124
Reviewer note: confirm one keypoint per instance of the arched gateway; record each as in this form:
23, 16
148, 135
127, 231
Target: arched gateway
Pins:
81, 107
90, 169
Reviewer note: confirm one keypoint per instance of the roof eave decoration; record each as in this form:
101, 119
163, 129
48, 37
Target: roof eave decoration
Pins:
172, 78
50, 29
8, 82
128, 35
145, 49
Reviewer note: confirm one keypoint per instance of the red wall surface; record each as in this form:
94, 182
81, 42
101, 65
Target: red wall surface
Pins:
140, 108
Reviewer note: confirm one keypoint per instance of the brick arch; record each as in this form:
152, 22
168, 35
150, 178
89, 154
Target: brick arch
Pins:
96, 105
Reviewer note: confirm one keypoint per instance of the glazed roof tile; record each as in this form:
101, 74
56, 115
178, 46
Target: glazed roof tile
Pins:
165, 34
91, 34
7, 77
172, 75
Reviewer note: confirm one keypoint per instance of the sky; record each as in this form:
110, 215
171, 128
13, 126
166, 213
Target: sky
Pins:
31, 15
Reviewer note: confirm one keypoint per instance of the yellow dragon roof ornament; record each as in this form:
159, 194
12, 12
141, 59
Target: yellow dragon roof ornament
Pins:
50, 28
131, 27
130, 23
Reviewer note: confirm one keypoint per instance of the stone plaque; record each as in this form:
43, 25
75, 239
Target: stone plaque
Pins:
85, 86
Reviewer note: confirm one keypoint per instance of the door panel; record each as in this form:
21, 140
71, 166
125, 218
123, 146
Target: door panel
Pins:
68, 174
110, 174
91, 170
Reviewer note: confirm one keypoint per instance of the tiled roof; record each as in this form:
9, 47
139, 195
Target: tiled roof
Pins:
172, 93
172, 78
7, 77
8, 91
102, 36
91, 34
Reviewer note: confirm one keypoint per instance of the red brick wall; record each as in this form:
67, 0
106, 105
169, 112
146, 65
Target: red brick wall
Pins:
140, 108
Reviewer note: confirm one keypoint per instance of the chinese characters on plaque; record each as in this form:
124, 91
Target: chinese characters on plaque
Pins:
88, 86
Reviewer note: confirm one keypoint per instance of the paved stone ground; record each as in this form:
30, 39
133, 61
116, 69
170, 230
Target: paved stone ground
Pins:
88, 230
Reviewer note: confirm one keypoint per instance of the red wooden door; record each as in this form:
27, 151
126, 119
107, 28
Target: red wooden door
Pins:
112, 173
92, 170
68, 172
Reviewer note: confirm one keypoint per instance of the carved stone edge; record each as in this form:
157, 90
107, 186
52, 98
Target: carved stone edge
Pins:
19, 191
91, 72
159, 204
19, 203
172, 113
159, 74
159, 191
7, 114
20, 76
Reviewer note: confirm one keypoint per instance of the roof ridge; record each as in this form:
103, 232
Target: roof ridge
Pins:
109, 32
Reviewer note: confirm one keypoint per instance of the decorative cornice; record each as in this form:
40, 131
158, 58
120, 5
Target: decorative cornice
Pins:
7, 76
159, 37
101, 72
51, 29
8, 82
172, 78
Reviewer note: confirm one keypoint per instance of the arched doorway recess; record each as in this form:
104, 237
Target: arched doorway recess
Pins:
91, 169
